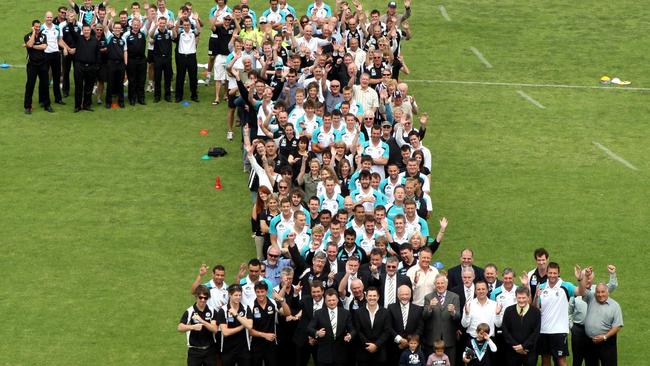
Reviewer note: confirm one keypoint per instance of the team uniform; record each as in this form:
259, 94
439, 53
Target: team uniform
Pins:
116, 49
70, 33
235, 349
162, 57
201, 344
36, 68
265, 319
53, 57
554, 305
136, 69
186, 63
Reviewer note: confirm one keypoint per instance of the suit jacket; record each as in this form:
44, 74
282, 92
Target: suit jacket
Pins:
364, 269
304, 274
521, 330
460, 291
329, 347
307, 307
439, 323
414, 323
455, 279
378, 333
381, 285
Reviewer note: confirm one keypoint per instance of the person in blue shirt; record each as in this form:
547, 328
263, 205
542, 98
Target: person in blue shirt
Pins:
413, 356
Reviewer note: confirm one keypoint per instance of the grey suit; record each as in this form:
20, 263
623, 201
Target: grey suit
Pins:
440, 323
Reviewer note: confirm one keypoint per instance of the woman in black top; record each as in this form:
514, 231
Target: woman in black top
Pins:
272, 209
345, 173
263, 195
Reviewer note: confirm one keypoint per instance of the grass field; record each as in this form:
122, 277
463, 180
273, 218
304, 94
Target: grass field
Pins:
106, 216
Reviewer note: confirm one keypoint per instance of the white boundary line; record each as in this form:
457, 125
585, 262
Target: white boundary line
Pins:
530, 99
444, 13
480, 56
614, 156
559, 86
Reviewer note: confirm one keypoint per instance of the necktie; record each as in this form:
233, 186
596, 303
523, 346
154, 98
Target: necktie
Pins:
521, 312
441, 299
489, 287
468, 294
333, 321
404, 315
390, 298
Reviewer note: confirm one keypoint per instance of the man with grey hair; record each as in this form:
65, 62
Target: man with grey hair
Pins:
275, 265
441, 314
307, 274
465, 290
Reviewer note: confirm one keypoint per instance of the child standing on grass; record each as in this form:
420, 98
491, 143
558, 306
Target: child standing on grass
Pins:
439, 357
413, 356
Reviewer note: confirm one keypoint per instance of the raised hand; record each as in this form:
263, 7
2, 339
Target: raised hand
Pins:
443, 223
611, 268
467, 308
203, 270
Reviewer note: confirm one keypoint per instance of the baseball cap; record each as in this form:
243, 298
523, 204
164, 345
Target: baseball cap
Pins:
263, 20
386, 123
392, 4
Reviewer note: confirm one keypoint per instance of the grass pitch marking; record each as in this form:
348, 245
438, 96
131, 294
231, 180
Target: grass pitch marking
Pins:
480, 56
490, 83
614, 156
444, 13
530, 99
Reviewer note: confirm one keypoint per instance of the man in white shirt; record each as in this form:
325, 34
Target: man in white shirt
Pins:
186, 58
422, 276
217, 286
481, 310
365, 95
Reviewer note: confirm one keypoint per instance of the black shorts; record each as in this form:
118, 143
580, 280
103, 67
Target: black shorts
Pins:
231, 101
556, 345
150, 57
102, 72
212, 47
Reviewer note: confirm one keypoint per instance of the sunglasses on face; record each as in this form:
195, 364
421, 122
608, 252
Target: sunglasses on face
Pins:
203, 297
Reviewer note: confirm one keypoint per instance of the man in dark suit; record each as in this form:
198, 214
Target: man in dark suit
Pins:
405, 320
521, 327
343, 280
306, 345
389, 282
465, 292
375, 265
332, 328
441, 313
466, 260
372, 334
306, 274
490, 275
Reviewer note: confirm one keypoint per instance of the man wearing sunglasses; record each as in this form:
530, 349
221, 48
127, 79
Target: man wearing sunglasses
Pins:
199, 323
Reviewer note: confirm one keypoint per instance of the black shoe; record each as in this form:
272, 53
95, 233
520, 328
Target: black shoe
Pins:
77, 109
28, 111
121, 104
108, 106
59, 102
195, 99
156, 99
142, 102
89, 108
168, 99
49, 109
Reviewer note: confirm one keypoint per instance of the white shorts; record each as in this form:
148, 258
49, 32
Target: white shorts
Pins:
220, 67
232, 82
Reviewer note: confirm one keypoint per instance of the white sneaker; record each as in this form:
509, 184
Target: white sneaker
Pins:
126, 83
94, 89
229, 135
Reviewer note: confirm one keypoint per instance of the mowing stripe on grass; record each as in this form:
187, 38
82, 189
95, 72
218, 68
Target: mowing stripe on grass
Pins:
480, 56
530, 99
614, 156
562, 86
444, 13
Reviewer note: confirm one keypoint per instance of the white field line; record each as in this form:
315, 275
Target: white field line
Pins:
444, 13
614, 156
530, 99
559, 86
480, 56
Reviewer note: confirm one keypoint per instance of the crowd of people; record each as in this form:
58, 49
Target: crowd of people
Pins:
340, 180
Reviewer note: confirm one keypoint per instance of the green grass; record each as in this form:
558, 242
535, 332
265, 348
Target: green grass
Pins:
106, 216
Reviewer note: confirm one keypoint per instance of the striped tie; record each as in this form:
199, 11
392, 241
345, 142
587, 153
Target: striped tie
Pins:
333, 321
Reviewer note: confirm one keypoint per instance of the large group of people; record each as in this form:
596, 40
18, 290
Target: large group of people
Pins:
340, 180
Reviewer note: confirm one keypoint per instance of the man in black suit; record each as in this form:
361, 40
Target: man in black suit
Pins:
465, 292
389, 282
305, 344
405, 320
343, 280
466, 261
521, 327
306, 274
441, 313
333, 263
375, 264
372, 334
490, 275
332, 328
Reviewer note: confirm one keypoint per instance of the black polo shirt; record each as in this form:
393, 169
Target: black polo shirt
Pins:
162, 43
136, 45
264, 320
203, 337
116, 47
70, 33
223, 36
34, 56
237, 342
87, 50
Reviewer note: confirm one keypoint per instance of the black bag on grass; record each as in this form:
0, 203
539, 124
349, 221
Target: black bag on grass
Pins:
217, 152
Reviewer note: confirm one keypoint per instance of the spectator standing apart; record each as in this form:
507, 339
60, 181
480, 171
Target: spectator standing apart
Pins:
36, 43
235, 320
222, 33
85, 69
552, 298
52, 54
521, 327
162, 57
603, 321
413, 355
198, 322
136, 68
441, 314
466, 260
217, 286
423, 277
187, 38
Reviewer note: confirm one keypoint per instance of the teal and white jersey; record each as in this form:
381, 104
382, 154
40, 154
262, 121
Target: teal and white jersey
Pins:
376, 151
302, 238
387, 187
308, 125
504, 297
53, 34
288, 9
359, 229
358, 195
220, 13
348, 137
165, 14
325, 138
321, 12
328, 237
393, 210
296, 114
366, 241
320, 189
279, 224
332, 204
274, 16
417, 225
397, 238
554, 305
355, 107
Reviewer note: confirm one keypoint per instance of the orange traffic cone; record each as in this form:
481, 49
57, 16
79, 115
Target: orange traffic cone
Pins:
217, 183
